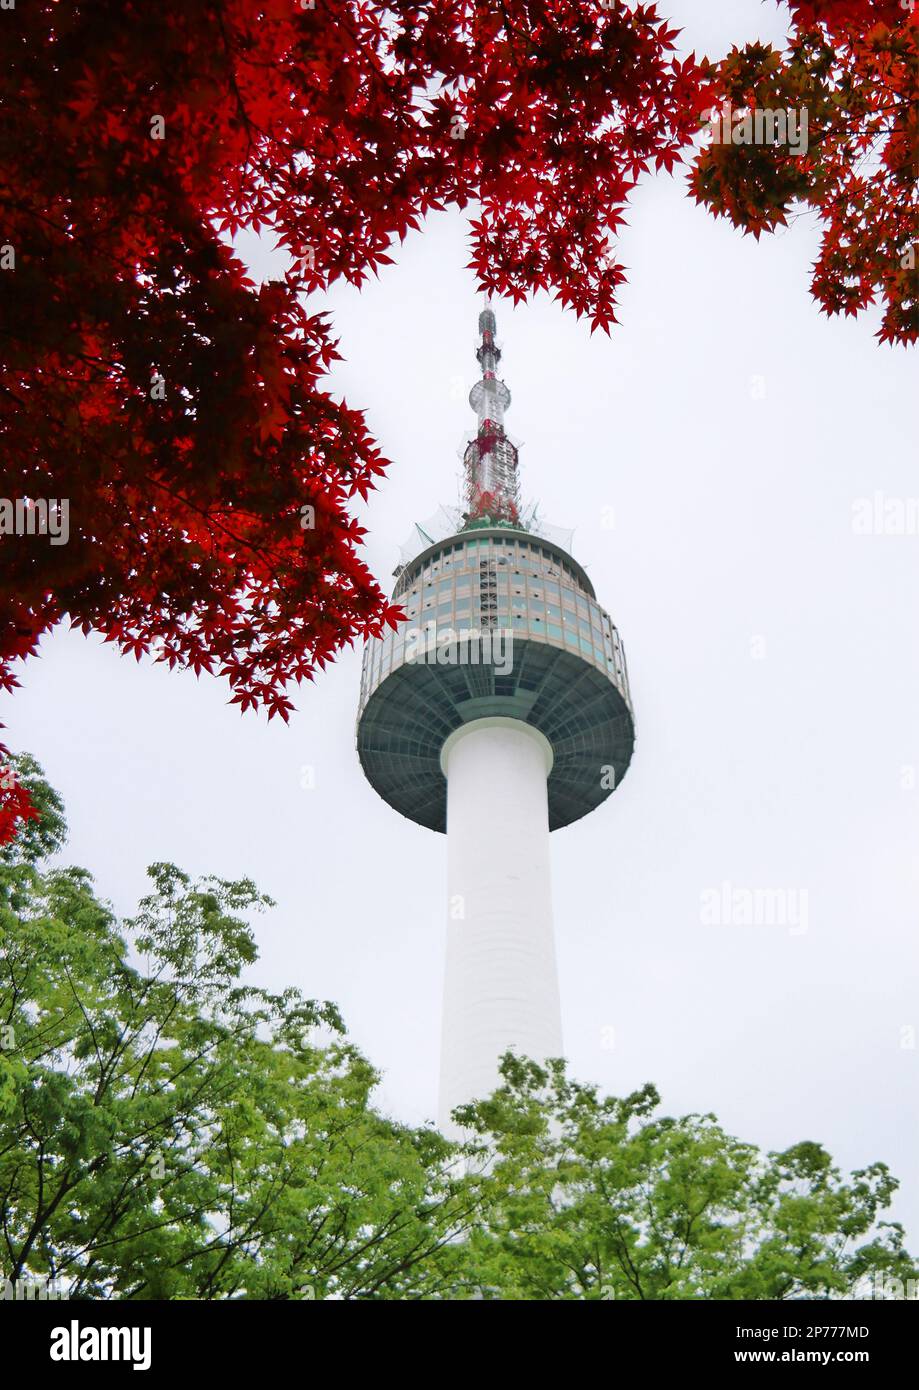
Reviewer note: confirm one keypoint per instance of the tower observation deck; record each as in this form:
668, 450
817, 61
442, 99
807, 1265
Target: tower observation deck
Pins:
498, 711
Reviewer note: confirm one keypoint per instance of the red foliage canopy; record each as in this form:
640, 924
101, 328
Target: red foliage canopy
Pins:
853, 65
174, 404
178, 407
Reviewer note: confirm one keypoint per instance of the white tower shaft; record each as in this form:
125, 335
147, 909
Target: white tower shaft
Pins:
501, 983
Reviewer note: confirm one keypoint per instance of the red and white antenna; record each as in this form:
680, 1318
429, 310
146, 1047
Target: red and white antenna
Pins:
490, 463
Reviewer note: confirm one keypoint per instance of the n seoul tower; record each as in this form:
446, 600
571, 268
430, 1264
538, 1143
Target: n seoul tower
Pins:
497, 713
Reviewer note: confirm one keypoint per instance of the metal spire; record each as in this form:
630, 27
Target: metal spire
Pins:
491, 484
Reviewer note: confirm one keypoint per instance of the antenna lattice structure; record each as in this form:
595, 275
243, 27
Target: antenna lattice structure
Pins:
490, 463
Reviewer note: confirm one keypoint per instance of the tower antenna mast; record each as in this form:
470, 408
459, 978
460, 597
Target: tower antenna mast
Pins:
491, 484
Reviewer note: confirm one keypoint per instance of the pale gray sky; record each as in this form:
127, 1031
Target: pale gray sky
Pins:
774, 664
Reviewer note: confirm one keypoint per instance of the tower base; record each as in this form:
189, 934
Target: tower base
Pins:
501, 980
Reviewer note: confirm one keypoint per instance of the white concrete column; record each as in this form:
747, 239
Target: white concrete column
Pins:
501, 981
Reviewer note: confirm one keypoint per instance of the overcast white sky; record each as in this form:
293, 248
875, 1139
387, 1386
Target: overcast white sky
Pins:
774, 664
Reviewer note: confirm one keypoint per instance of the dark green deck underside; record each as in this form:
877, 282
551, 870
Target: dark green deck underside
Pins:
579, 709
